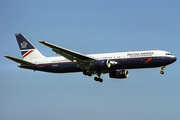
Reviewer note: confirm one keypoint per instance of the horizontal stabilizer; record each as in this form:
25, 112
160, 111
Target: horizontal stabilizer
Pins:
22, 62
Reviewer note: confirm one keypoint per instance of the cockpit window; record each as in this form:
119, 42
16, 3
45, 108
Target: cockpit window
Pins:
168, 54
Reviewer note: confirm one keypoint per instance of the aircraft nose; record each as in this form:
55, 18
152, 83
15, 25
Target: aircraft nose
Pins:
174, 59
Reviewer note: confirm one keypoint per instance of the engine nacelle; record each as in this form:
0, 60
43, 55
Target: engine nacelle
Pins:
102, 64
119, 74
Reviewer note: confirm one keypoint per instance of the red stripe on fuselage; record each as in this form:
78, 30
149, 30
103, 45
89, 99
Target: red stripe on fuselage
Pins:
148, 60
28, 53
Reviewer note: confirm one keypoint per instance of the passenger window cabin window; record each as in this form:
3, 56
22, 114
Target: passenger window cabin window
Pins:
168, 54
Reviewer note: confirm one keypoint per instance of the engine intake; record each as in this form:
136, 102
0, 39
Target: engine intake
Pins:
119, 74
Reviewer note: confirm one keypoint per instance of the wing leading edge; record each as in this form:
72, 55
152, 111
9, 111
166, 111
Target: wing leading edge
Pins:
83, 61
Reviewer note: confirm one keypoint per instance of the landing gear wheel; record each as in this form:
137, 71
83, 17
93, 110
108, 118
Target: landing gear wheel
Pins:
87, 73
98, 79
95, 78
162, 72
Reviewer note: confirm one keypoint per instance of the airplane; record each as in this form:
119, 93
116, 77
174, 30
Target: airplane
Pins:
116, 64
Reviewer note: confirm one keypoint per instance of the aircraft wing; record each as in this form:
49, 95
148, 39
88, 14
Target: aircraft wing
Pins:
22, 62
82, 60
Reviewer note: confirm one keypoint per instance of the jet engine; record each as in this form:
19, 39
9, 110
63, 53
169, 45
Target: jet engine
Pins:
101, 64
119, 74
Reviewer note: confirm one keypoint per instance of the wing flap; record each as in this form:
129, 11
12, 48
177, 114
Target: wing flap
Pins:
22, 62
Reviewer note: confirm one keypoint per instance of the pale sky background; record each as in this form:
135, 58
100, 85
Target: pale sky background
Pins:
90, 26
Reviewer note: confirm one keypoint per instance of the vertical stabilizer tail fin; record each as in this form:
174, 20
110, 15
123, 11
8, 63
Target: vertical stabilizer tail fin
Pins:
28, 51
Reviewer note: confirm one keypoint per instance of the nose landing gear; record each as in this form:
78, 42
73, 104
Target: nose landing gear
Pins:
162, 70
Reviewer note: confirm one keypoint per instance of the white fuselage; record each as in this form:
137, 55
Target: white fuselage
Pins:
116, 55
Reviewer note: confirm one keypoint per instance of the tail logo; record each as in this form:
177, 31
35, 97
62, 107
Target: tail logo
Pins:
23, 44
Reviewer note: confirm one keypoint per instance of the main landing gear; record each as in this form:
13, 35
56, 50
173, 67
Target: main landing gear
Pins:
162, 70
98, 79
85, 72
